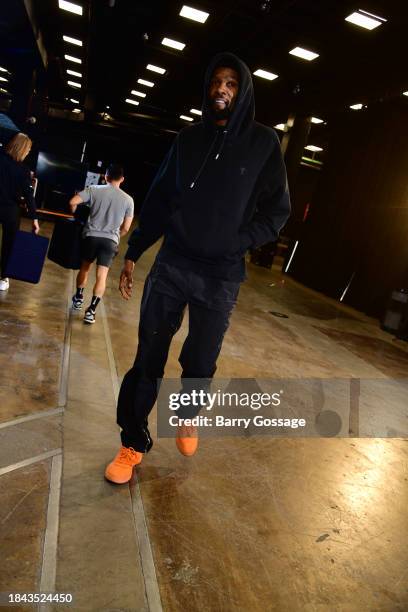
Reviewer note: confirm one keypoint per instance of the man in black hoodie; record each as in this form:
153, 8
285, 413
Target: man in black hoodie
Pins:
221, 189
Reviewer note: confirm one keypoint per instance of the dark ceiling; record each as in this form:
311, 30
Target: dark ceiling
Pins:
121, 36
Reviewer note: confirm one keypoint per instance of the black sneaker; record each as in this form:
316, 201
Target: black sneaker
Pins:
89, 316
77, 303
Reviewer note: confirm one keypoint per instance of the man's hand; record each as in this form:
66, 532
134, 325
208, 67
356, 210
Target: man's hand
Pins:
126, 279
36, 226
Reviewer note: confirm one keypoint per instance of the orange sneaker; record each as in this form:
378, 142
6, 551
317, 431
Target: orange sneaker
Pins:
120, 469
187, 439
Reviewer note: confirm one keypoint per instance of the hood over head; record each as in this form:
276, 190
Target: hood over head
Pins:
243, 112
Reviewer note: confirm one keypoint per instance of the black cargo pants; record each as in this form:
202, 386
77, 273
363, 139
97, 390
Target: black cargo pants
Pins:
167, 291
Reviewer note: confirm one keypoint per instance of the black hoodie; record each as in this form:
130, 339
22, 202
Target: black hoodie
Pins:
219, 191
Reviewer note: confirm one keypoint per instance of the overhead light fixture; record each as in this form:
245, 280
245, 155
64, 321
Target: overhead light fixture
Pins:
195, 111
73, 73
130, 101
74, 84
356, 106
71, 58
174, 44
194, 14
405, 93
4, 91
304, 53
155, 69
73, 41
76, 110
147, 83
70, 6
317, 120
74, 101
313, 148
186, 118
264, 74
365, 20
3, 69
3, 79
138, 93
281, 127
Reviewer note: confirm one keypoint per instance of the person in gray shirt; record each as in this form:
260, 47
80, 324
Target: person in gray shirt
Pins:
110, 217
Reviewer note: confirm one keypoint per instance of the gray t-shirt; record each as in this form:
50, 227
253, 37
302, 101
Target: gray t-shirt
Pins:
109, 206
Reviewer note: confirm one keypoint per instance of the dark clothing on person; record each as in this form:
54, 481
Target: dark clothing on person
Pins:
10, 221
167, 291
15, 181
219, 191
102, 249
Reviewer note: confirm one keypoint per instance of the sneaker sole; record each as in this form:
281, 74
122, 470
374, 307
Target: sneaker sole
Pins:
89, 322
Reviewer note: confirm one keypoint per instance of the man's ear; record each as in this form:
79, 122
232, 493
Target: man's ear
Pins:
122, 179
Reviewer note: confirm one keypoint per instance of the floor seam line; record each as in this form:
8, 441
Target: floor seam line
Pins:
30, 461
50, 543
151, 584
32, 417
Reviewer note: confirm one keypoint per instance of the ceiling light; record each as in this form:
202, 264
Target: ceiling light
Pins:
130, 101
195, 111
147, 83
3, 79
71, 58
304, 54
73, 41
4, 90
317, 120
155, 69
3, 69
264, 74
138, 93
186, 118
73, 73
194, 14
168, 42
76, 110
281, 127
405, 93
313, 148
356, 106
365, 20
70, 6
74, 101
74, 84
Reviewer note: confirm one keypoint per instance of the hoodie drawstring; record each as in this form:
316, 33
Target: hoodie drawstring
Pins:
225, 132
224, 137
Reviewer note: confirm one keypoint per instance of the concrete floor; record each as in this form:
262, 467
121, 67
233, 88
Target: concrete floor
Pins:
317, 524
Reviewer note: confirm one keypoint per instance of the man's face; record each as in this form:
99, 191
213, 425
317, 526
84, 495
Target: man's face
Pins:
223, 91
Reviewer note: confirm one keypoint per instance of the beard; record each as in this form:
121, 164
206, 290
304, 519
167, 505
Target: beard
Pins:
219, 114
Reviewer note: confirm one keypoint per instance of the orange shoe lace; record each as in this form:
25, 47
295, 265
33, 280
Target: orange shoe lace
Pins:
126, 455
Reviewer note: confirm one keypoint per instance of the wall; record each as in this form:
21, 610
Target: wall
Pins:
358, 221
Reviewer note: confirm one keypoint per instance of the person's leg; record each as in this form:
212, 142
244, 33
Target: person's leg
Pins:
105, 250
100, 283
10, 223
208, 322
82, 276
81, 281
161, 315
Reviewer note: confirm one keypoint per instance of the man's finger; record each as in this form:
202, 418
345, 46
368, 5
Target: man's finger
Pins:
125, 287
